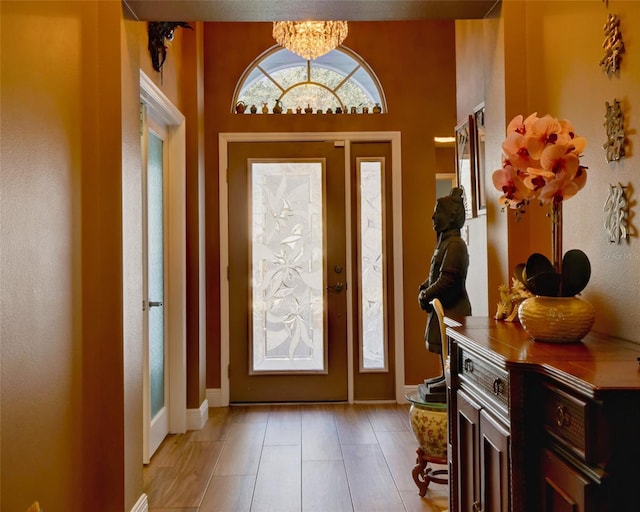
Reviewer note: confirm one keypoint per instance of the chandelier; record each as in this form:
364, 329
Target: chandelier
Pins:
310, 39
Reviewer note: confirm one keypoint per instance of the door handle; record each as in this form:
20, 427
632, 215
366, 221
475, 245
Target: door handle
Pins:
153, 304
337, 288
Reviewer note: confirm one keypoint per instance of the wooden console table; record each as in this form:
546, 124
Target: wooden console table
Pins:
540, 426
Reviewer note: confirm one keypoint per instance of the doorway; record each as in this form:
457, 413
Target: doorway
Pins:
340, 373
163, 128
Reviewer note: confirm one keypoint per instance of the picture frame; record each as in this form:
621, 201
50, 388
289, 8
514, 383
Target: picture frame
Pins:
480, 159
466, 164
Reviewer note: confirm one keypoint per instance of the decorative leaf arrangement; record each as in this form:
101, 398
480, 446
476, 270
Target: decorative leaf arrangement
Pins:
510, 299
541, 277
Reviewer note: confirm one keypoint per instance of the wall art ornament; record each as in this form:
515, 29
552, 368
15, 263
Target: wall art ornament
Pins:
616, 209
614, 124
161, 34
613, 45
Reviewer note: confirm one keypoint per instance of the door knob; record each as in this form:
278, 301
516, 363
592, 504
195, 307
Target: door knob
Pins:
338, 287
153, 304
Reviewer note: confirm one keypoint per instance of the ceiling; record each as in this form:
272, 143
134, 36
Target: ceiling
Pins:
273, 10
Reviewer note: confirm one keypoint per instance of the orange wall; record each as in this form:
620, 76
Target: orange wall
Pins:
71, 422
576, 88
543, 57
416, 69
63, 389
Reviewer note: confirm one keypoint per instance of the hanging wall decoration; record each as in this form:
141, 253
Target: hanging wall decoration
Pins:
466, 164
479, 146
614, 124
616, 209
613, 45
160, 36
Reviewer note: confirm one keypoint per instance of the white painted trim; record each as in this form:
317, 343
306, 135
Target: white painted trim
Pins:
398, 277
214, 397
349, 273
142, 505
162, 109
196, 418
408, 390
394, 138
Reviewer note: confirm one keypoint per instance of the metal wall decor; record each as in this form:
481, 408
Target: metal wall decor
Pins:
616, 209
613, 45
614, 123
161, 33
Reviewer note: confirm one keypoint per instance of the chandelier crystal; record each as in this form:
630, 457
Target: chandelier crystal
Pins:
310, 39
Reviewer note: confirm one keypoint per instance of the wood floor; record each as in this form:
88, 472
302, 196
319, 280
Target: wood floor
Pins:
281, 458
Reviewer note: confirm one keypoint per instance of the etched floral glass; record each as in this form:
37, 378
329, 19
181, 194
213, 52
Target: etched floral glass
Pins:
287, 262
371, 262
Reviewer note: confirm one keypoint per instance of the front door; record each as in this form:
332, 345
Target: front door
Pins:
287, 260
310, 272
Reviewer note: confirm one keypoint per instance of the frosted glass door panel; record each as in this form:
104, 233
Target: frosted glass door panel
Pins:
155, 273
373, 343
287, 267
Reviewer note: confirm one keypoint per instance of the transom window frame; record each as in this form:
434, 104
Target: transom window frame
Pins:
342, 60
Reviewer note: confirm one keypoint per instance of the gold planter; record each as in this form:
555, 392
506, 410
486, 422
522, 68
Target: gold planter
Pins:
556, 319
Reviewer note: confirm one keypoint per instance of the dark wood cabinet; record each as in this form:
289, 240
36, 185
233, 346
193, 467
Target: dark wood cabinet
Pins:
542, 426
483, 455
564, 489
467, 452
494, 465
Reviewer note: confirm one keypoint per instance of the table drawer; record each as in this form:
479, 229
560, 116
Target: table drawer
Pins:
566, 417
487, 377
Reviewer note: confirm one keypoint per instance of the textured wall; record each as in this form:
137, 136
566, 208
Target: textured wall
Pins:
544, 57
564, 45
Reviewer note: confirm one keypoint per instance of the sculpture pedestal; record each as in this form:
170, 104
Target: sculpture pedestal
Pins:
424, 475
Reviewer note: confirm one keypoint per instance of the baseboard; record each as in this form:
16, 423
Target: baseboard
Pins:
142, 505
410, 390
214, 397
196, 418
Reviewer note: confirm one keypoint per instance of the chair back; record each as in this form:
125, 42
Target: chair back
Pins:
446, 360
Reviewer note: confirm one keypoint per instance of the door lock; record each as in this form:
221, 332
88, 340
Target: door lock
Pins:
337, 288
153, 304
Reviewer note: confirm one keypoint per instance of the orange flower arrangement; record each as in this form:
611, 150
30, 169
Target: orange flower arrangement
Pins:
542, 162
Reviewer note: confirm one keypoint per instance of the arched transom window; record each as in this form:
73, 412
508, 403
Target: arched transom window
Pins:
339, 81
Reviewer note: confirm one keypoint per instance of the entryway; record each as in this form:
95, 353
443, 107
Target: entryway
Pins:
311, 230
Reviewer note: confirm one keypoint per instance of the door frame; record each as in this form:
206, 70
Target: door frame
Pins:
175, 263
224, 139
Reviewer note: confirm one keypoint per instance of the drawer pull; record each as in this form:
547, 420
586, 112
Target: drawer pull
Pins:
468, 365
498, 387
562, 416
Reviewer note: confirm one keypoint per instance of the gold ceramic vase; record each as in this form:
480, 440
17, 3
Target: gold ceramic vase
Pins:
556, 319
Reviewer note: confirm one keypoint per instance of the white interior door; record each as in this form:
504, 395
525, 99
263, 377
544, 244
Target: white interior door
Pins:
156, 350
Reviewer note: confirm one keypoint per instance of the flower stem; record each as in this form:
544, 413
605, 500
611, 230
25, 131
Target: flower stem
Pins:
556, 241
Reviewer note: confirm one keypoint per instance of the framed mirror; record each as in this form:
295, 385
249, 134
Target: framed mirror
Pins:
479, 145
465, 164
